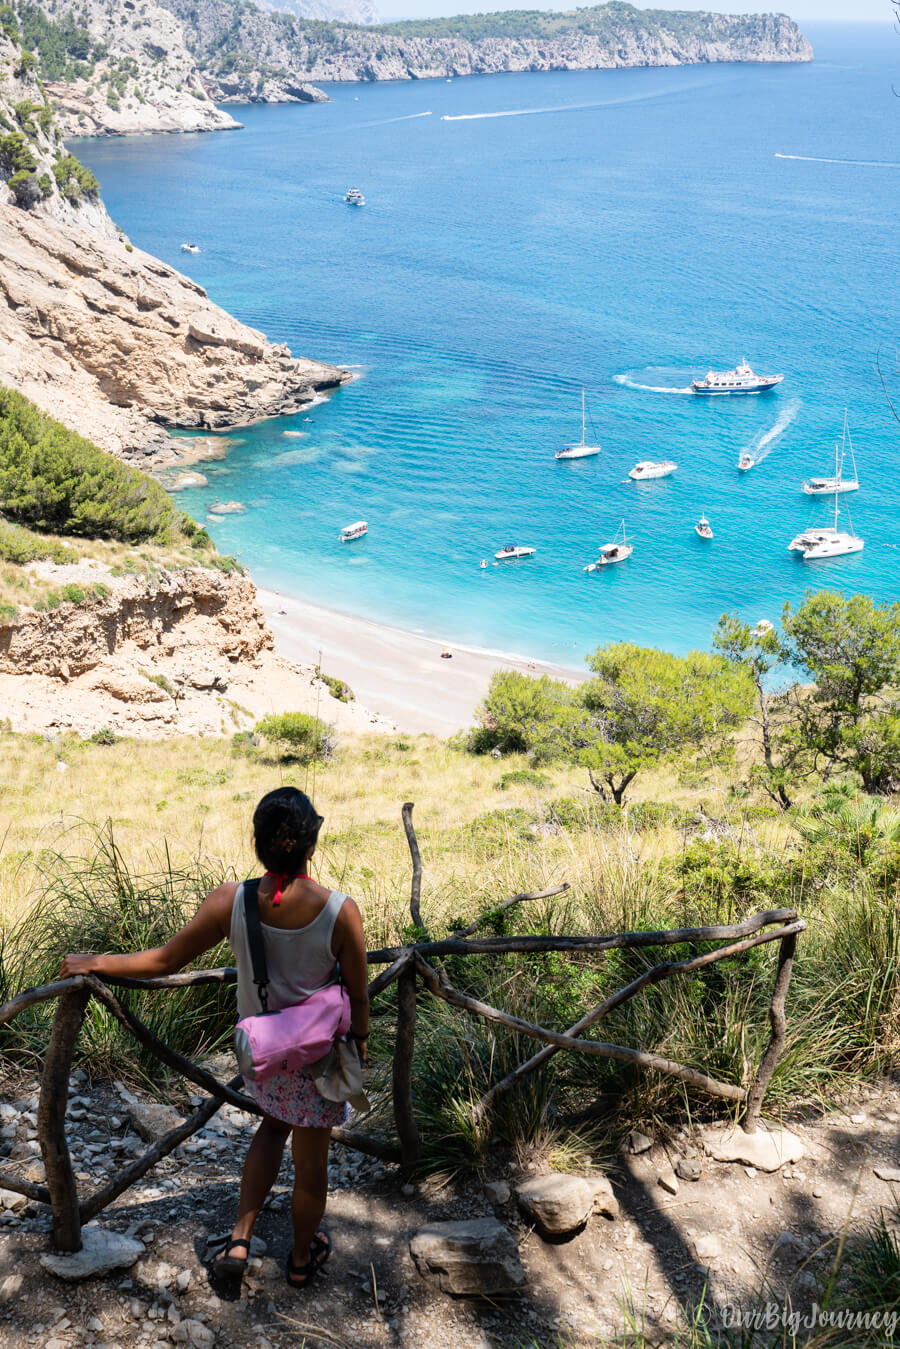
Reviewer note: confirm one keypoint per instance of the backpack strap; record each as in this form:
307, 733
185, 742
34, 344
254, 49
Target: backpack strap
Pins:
255, 942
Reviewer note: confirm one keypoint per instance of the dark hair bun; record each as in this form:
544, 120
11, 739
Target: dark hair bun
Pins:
285, 827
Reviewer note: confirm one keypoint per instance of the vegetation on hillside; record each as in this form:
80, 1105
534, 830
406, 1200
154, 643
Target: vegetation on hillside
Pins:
62, 48
52, 479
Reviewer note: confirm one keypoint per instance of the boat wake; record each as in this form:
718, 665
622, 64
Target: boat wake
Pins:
765, 441
562, 107
408, 117
856, 163
630, 383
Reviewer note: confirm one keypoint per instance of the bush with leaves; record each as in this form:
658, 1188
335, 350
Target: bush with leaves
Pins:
55, 480
298, 737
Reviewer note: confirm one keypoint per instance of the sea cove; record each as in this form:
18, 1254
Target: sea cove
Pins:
617, 230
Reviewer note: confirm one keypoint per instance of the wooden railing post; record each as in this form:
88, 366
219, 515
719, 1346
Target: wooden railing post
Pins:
51, 1123
404, 1048
776, 1042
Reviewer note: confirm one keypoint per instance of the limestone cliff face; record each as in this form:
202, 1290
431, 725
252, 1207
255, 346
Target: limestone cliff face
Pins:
188, 652
118, 345
126, 70
605, 37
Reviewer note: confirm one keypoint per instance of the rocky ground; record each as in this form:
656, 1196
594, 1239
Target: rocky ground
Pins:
652, 1238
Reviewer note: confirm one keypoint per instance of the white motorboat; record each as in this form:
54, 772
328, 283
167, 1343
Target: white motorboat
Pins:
354, 197
609, 553
512, 552
739, 380
746, 461
814, 487
189, 248
703, 528
582, 450
354, 531
648, 469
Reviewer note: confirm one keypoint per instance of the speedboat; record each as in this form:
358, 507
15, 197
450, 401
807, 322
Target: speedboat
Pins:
354, 197
648, 469
703, 528
582, 450
354, 531
745, 461
189, 248
814, 487
513, 551
739, 380
617, 551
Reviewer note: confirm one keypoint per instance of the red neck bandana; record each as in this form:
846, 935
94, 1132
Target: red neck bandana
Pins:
281, 882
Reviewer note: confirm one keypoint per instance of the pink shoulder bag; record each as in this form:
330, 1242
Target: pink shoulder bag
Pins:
295, 1037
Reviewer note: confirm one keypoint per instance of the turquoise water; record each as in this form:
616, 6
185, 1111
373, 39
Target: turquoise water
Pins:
624, 229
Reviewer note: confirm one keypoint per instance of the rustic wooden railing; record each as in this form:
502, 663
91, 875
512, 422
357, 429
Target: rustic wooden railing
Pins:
405, 966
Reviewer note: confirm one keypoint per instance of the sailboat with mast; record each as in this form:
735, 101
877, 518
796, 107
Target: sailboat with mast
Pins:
582, 450
828, 542
825, 486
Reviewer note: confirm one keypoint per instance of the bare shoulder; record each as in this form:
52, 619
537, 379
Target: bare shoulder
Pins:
349, 920
219, 903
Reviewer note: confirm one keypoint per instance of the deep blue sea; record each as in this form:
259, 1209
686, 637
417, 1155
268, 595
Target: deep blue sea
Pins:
617, 231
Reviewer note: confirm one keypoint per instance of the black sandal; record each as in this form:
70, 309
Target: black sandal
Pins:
220, 1260
319, 1251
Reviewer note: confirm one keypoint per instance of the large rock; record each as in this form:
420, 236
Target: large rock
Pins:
768, 1149
474, 1258
559, 1204
101, 1252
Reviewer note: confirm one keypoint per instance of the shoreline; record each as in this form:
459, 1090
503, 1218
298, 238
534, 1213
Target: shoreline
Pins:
393, 672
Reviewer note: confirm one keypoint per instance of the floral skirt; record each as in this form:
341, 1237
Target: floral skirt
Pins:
292, 1097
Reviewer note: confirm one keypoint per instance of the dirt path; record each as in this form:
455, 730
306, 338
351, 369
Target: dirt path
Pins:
732, 1229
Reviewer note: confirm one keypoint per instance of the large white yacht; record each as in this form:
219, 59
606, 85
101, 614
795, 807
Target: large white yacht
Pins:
581, 450
648, 469
739, 380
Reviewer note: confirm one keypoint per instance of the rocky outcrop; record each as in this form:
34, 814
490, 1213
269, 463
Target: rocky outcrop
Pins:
178, 652
117, 345
348, 11
255, 87
601, 38
126, 71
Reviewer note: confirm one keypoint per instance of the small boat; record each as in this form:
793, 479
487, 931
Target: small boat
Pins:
483, 562
354, 197
189, 248
354, 531
739, 380
513, 551
703, 528
609, 553
648, 469
814, 487
581, 450
746, 461
762, 627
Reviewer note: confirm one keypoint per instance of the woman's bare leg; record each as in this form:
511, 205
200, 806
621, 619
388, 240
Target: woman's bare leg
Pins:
260, 1172
310, 1152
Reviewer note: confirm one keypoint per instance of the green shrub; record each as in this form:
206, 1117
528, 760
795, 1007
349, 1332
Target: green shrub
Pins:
521, 777
8, 612
73, 594
15, 154
300, 737
25, 188
105, 736
74, 180
57, 481
20, 545
336, 687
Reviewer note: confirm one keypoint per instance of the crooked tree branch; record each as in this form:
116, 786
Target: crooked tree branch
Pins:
692, 1076
415, 888
508, 904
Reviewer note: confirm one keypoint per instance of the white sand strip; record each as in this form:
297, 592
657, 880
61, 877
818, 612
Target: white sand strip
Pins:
398, 674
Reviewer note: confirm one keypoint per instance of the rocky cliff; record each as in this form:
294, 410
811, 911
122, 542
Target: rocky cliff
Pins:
108, 339
585, 39
180, 652
116, 67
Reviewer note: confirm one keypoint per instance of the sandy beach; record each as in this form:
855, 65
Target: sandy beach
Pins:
398, 674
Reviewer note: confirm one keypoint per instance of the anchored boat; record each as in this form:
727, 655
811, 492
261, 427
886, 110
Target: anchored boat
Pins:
609, 553
648, 469
582, 450
512, 552
814, 487
703, 528
354, 531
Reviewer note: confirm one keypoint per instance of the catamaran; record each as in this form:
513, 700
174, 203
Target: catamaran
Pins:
612, 552
739, 380
582, 450
648, 469
512, 552
354, 531
814, 487
829, 541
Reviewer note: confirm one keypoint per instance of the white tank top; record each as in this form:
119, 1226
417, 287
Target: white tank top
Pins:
299, 960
